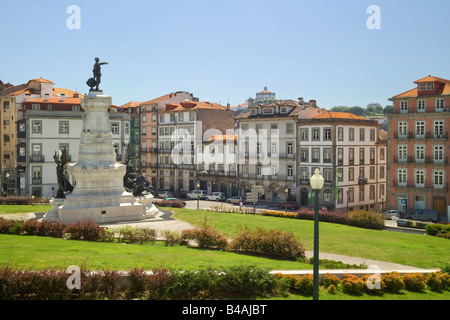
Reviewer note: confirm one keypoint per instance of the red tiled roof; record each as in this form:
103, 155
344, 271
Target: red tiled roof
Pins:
338, 115
50, 100
414, 93
192, 105
41, 80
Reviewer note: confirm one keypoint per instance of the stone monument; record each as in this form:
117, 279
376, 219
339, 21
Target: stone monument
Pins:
98, 193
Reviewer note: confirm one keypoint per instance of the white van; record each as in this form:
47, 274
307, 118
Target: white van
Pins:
197, 194
216, 196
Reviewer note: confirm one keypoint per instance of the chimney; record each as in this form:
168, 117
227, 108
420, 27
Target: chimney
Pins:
46, 97
228, 106
313, 103
63, 97
300, 100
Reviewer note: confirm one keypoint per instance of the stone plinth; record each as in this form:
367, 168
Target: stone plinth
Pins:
98, 194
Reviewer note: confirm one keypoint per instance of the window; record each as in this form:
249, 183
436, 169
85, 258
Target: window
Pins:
115, 127
351, 134
402, 152
438, 179
340, 196
351, 174
372, 173
327, 134
340, 174
289, 128
273, 126
439, 105
290, 171
127, 127
372, 134
315, 155
327, 196
49, 107
304, 155
420, 153
372, 155
191, 116
35, 107
421, 106
304, 135
258, 148
402, 177
22, 151
64, 127
420, 129
144, 118
161, 118
274, 148
361, 194
381, 172
438, 153
340, 153
327, 155
361, 134
268, 111
439, 127
402, 129
371, 192
403, 106
420, 178
315, 134
382, 151
36, 126
351, 194
76, 108
351, 156
290, 148
181, 116
361, 155
253, 112
340, 131
430, 85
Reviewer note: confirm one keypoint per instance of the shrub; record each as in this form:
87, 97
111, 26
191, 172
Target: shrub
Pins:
374, 285
5, 224
304, 285
30, 227
50, 229
332, 289
138, 282
16, 227
168, 203
159, 283
206, 237
439, 230
366, 219
16, 200
434, 281
353, 285
111, 285
84, 230
330, 280
171, 238
445, 278
272, 243
414, 282
393, 282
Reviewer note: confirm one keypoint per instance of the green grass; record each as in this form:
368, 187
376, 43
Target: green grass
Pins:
42, 252
420, 251
24, 208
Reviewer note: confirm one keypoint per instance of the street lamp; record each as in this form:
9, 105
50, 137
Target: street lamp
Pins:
316, 182
198, 195
286, 191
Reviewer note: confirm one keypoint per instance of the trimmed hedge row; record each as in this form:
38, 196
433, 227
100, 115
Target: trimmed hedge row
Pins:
391, 282
160, 284
361, 219
438, 230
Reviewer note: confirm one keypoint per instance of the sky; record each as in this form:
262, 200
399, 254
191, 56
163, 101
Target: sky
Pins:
225, 51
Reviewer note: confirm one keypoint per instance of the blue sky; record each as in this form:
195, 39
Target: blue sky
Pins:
226, 51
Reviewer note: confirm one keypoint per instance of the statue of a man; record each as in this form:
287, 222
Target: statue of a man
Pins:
63, 182
97, 72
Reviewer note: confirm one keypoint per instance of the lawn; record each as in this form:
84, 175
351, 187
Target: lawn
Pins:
420, 251
42, 252
24, 208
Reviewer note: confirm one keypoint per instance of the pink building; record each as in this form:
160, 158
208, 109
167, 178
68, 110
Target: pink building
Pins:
418, 144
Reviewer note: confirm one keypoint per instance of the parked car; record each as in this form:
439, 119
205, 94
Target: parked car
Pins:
290, 205
391, 213
165, 194
235, 200
216, 196
424, 215
176, 199
197, 194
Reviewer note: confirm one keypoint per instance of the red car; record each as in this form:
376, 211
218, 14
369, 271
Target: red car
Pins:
290, 205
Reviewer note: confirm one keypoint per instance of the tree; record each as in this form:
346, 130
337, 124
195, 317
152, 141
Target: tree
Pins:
388, 109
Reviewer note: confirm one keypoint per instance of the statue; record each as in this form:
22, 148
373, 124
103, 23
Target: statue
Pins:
95, 81
134, 182
63, 182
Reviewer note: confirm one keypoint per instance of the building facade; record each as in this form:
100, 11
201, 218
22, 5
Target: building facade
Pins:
418, 147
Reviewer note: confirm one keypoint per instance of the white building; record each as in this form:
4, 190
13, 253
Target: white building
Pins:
52, 124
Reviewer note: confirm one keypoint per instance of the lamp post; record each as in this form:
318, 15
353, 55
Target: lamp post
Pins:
286, 191
198, 195
316, 182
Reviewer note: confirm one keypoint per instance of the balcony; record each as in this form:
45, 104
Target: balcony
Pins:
39, 158
362, 181
36, 181
428, 186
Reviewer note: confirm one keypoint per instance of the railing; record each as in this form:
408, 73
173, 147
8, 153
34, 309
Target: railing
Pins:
413, 184
37, 159
427, 135
36, 181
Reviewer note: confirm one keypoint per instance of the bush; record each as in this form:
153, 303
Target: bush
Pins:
5, 224
206, 237
30, 227
16, 200
168, 203
393, 282
439, 230
84, 230
272, 243
377, 284
330, 280
353, 285
434, 281
159, 283
414, 282
304, 285
366, 219
171, 238
332, 289
50, 229
129, 234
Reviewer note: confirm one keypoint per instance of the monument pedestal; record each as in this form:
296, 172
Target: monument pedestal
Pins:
98, 194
